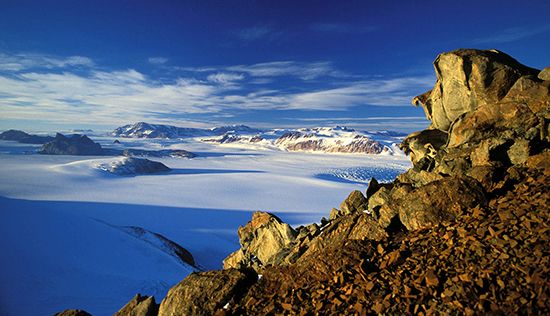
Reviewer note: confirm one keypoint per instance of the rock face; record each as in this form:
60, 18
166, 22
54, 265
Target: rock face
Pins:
207, 292
465, 231
71, 145
262, 239
466, 80
128, 166
139, 306
24, 138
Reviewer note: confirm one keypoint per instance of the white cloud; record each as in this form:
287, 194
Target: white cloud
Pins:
157, 60
21, 62
225, 78
56, 93
305, 71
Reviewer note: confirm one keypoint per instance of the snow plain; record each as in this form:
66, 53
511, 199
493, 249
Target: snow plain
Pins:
57, 215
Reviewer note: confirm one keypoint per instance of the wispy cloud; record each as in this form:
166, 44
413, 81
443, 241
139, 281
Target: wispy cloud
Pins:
305, 71
225, 78
63, 93
257, 33
19, 62
342, 28
157, 60
512, 34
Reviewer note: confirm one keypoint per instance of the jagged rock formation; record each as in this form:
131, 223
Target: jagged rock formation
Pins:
139, 306
24, 138
465, 231
133, 166
71, 145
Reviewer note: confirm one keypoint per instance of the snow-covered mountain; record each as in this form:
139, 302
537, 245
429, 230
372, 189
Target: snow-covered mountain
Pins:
337, 139
146, 130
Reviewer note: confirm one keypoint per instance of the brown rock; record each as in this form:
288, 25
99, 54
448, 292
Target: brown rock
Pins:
355, 202
73, 312
423, 145
503, 120
539, 161
206, 292
544, 74
438, 201
139, 306
531, 91
262, 239
466, 80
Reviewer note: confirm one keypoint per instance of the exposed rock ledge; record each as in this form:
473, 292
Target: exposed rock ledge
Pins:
465, 231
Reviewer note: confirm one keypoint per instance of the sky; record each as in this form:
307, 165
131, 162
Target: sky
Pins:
101, 64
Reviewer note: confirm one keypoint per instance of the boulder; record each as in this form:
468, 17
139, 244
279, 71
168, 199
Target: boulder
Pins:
544, 74
206, 292
262, 239
139, 306
73, 312
355, 202
466, 80
438, 201
71, 145
423, 146
504, 120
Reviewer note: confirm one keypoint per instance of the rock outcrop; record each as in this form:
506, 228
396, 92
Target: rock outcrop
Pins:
262, 241
71, 145
129, 166
24, 138
139, 306
207, 292
468, 79
465, 231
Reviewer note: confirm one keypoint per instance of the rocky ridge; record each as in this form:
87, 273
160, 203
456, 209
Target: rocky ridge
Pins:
465, 231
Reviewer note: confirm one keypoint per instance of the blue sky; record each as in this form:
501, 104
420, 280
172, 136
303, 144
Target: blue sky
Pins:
101, 64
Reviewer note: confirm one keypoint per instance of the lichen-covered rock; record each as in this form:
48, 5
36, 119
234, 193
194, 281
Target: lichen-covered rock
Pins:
139, 306
438, 201
466, 80
262, 239
205, 293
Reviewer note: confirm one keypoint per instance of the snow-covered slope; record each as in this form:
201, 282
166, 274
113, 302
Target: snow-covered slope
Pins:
330, 140
320, 139
54, 256
146, 130
60, 256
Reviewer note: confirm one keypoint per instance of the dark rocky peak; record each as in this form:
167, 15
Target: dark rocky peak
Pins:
25, 138
74, 144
